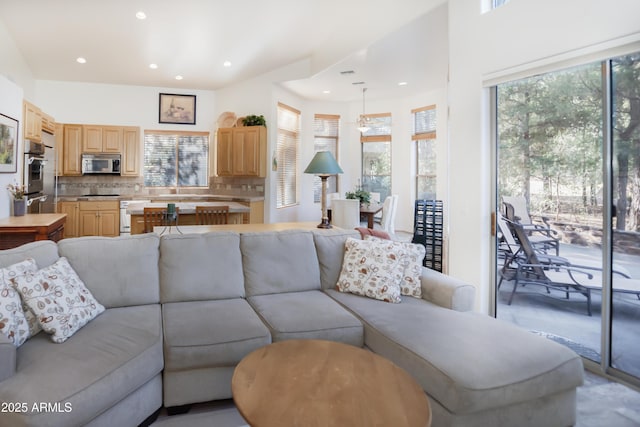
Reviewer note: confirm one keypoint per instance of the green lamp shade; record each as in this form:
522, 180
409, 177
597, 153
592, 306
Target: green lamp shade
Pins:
323, 163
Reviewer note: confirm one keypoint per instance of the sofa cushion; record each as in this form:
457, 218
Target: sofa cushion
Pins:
200, 267
61, 302
330, 249
13, 321
44, 252
108, 359
119, 271
307, 315
434, 344
368, 270
210, 333
282, 261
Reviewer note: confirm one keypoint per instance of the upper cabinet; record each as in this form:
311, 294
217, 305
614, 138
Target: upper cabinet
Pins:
131, 159
48, 124
102, 139
32, 116
242, 151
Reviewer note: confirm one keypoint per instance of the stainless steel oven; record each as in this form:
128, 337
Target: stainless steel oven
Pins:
34, 162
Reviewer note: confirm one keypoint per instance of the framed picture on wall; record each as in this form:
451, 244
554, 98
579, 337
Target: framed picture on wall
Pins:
8, 144
177, 109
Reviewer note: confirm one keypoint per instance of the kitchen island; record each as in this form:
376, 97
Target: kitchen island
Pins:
18, 230
187, 212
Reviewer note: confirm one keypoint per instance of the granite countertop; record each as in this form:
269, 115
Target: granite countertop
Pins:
185, 207
160, 197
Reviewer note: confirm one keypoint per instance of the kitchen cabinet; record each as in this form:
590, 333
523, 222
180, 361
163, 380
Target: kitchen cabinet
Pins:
71, 150
130, 163
102, 139
99, 218
48, 124
72, 210
32, 116
242, 151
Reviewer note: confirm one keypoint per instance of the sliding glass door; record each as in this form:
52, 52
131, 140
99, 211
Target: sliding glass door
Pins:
568, 160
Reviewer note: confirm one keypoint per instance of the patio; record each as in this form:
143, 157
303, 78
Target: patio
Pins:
566, 321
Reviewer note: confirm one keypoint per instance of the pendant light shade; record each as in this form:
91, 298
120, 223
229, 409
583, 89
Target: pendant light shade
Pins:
363, 123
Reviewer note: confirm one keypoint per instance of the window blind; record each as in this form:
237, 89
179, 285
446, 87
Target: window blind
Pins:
176, 159
424, 122
424, 133
287, 155
325, 130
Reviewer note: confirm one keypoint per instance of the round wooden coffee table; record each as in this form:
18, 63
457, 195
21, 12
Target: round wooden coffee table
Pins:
325, 383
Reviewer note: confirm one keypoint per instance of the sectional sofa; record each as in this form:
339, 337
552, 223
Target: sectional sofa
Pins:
182, 310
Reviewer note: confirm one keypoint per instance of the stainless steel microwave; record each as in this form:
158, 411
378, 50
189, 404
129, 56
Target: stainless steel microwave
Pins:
101, 164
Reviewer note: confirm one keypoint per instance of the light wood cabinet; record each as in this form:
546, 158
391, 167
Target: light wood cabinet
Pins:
102, 139
130, 162
72, 210
71, 150
242, 151
59, 138
48, 124
32, 116
99, 218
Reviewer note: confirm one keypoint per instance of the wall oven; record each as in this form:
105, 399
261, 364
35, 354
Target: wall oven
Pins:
34, 163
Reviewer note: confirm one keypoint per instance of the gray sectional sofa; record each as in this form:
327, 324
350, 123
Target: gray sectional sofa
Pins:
183, 310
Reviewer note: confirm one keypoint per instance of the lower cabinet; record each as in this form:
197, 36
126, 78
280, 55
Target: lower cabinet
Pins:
91, 218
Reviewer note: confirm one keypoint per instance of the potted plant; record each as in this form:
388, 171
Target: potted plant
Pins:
253, 120
19, 201
363, 195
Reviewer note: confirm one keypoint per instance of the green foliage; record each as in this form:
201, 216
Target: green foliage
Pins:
253, 120
363, 195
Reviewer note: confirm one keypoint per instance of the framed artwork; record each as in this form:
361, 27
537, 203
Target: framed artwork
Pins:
8, 144
177, 109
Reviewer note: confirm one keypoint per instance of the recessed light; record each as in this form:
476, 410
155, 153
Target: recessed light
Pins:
326, 91
141, 15
153, 66
402, 84
227, 64
81, 60
178, 77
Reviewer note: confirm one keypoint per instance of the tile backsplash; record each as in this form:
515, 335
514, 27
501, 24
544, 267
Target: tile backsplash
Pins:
107, 184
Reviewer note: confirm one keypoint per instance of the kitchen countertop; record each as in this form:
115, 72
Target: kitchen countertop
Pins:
167, 197
186, 207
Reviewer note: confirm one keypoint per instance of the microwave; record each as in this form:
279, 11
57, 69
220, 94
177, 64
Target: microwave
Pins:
101, 164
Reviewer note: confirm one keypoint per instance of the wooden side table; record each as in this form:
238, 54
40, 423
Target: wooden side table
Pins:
325, 383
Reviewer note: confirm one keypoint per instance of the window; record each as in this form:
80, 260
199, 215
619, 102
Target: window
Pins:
376, 155
287, 156
424, 133
176, 159
325, 138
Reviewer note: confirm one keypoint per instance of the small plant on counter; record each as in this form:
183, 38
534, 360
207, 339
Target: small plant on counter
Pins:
17, 191
363, 195
253, 120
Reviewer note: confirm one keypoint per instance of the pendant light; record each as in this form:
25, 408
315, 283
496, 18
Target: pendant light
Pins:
363, 122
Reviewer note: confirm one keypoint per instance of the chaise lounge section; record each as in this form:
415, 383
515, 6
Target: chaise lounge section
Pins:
183, 310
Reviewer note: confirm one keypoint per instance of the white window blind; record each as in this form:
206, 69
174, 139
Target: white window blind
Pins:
325, 130
287, 156
176, 159
424, 133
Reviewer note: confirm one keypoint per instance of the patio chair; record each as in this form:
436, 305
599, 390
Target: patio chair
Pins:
568, 278
540, 235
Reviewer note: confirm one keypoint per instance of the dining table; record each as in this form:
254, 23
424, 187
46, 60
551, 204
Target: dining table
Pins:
370, 210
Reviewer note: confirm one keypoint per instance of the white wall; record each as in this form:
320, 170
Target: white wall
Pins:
11, 105
518, 37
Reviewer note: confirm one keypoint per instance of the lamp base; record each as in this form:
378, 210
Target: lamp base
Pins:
325, 223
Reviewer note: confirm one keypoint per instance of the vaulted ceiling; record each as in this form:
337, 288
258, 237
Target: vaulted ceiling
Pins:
382, 42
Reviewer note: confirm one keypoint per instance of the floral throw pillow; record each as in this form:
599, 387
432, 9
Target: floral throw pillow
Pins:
406, 259
59, 299
13, 317
365, 271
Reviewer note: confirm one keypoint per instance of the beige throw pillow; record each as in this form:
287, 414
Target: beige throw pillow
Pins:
59, 299
13, 317
367, 270
407, 259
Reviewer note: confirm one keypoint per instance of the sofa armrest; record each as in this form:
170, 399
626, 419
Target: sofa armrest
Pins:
446, 291
7, 358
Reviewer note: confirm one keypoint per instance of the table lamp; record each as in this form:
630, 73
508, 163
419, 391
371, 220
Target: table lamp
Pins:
324, 165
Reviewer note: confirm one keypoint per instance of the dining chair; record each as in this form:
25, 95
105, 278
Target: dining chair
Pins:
387, 221
212, 215
156, 217
345, 213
